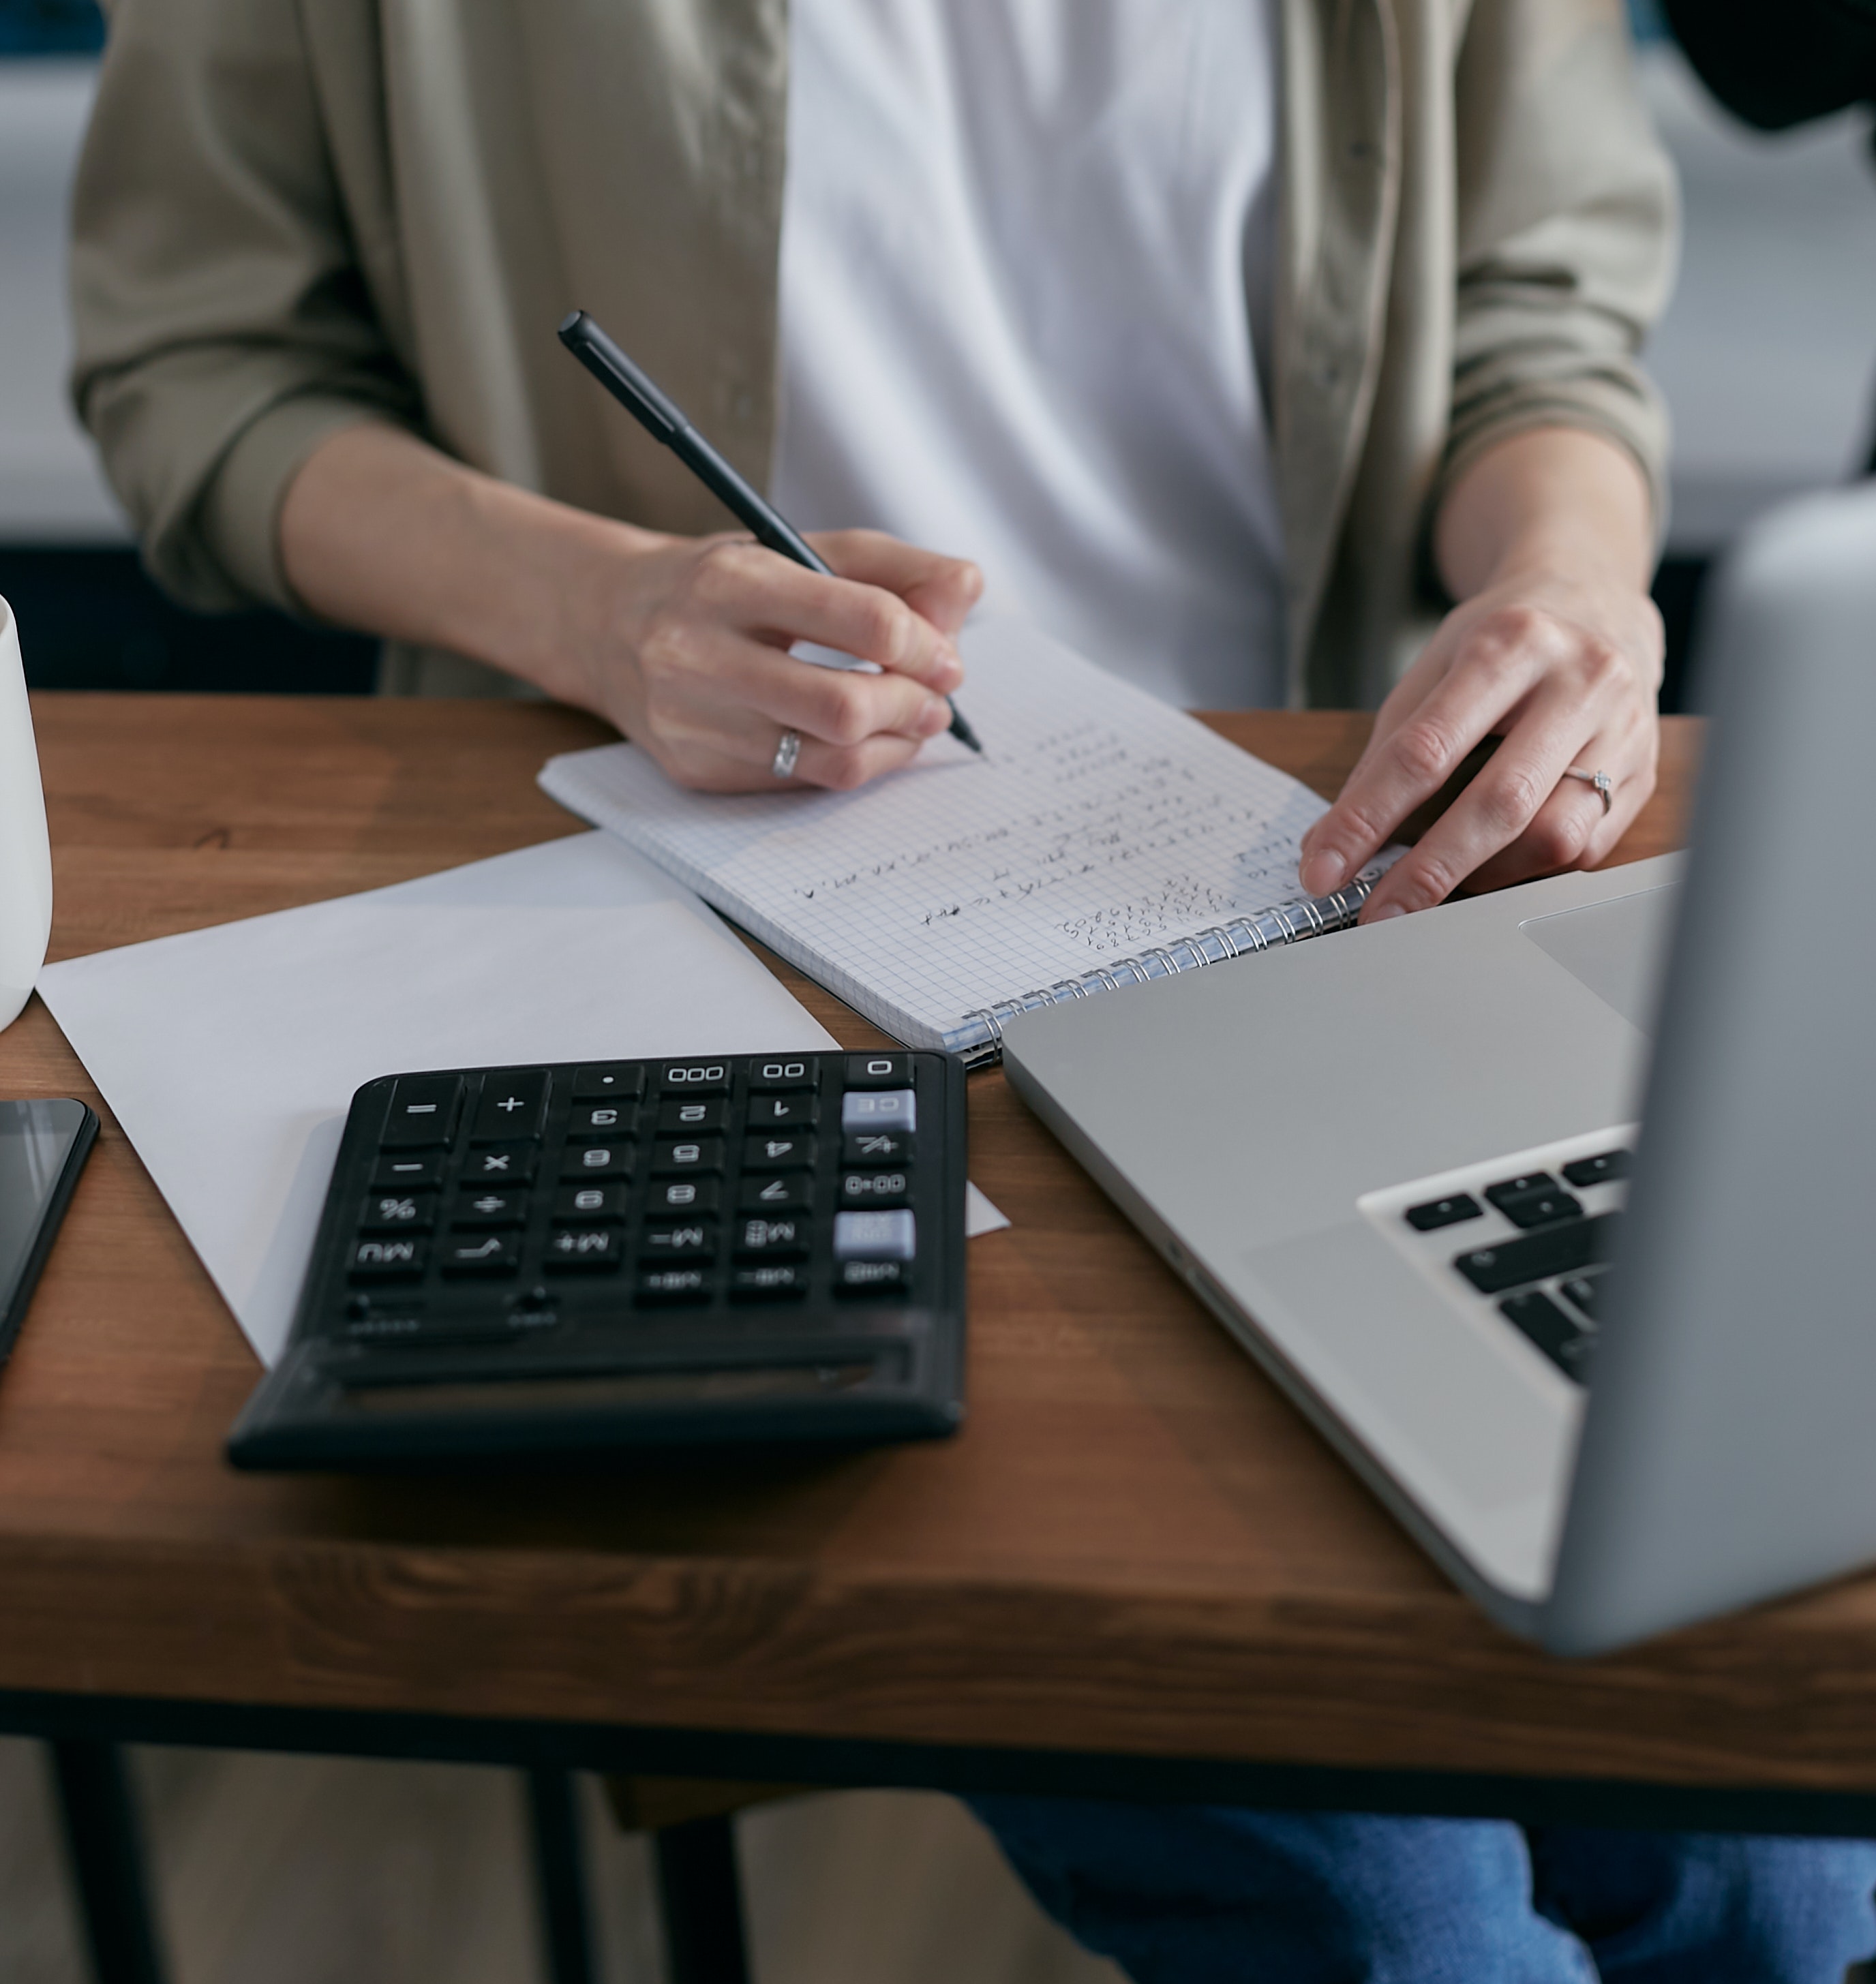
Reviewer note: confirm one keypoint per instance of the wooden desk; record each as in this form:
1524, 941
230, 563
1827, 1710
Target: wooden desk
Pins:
1135, 1571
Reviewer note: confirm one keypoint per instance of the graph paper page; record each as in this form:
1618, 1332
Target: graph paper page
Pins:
1099, 822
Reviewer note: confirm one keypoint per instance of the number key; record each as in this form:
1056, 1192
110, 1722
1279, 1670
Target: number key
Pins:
595, 1160
783, 1112
683, 1156
691, 1119
778, 1153
581, 1205
683, 1196
603, 1122
794, 1194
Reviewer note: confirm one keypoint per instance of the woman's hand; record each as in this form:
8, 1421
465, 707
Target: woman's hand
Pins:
1556, 649
681, 641
689, 656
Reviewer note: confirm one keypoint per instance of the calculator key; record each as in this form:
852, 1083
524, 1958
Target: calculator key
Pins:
595, 1160
684, 1240
684, 1195
790, 1193
784, 1239
872, 1278
685, 1154
609, 1082
781, 1153
877, 1147
411, 1173
490, 1254
588, 1249
879, 1109
875, 1188
423, 1111
680, 1119
784, 1112
796, 1071
390, 1260
398, 1212
1438, 1212
660, 1285
497, 1206
879, 1070
503, 1164
1540, 1208
579, 1204
601, 1122
774, 1283
875, 1236
514, 1100
1603, 1169
694, 1078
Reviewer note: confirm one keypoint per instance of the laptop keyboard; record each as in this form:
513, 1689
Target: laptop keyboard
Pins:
1541, 1235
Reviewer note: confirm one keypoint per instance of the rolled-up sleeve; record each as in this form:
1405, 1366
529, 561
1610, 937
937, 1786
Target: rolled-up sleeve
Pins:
1567, 221
224, 329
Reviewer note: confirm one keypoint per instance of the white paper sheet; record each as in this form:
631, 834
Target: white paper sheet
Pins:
229, 1055
980, 1216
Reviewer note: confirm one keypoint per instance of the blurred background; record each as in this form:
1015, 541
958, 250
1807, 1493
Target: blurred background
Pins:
1766, 358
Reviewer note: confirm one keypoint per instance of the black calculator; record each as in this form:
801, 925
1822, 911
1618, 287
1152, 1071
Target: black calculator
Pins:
519, 1262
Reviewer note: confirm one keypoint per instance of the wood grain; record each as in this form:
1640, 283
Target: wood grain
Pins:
1135, 1545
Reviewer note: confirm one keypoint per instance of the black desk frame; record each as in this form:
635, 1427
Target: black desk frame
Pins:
696, 1861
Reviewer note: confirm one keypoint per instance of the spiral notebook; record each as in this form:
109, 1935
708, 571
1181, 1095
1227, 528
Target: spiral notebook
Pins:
1102, 840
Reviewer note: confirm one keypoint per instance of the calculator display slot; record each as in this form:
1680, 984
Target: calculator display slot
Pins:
588, 1393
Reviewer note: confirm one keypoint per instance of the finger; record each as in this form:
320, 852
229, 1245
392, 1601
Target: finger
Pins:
765, 594
1545, 847
839, 706
1496, 669
1513, 800
942, 589
705, 769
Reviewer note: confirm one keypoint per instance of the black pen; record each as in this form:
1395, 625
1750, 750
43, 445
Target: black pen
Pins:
664, 421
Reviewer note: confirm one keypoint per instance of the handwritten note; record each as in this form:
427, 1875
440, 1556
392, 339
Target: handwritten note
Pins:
1099, 823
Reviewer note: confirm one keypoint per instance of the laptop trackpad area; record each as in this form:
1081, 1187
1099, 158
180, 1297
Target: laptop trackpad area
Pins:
1618, 948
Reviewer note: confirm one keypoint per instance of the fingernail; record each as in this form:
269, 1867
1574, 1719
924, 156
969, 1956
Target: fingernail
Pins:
936, 716
1322, 871
1386, 910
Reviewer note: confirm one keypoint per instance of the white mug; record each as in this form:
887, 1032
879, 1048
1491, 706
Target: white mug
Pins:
25, 854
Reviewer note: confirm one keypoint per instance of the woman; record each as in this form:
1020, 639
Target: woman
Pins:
1231, 340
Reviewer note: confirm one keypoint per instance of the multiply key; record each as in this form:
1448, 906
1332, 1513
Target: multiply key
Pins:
505, 1164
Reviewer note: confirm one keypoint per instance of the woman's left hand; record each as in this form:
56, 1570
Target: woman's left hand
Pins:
1556, 650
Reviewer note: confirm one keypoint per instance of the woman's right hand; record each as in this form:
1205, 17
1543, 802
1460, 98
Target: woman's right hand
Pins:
688, 654
681, 641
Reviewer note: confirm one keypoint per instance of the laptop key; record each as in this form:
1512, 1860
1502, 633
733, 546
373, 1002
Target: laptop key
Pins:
1519, 1187
1535, 1257
1438, 1212
1566, 1344
1585, 1292
1540, 1208
1602, 1170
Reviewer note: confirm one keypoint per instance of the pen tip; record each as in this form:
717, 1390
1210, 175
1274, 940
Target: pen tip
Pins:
962, 731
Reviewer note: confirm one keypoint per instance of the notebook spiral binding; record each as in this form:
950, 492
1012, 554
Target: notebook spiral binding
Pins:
1291, 924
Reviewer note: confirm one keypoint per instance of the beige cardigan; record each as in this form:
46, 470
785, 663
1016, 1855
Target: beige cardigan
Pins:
296, 214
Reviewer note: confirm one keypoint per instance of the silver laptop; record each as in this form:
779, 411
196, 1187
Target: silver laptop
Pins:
1553, 1208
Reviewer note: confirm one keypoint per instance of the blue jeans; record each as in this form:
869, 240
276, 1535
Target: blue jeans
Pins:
1196, 1895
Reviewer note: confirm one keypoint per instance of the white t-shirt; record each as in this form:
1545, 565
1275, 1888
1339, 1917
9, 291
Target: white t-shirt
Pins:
1027, 251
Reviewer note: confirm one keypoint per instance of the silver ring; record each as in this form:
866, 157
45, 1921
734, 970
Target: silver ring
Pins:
1603, 783
786, 751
